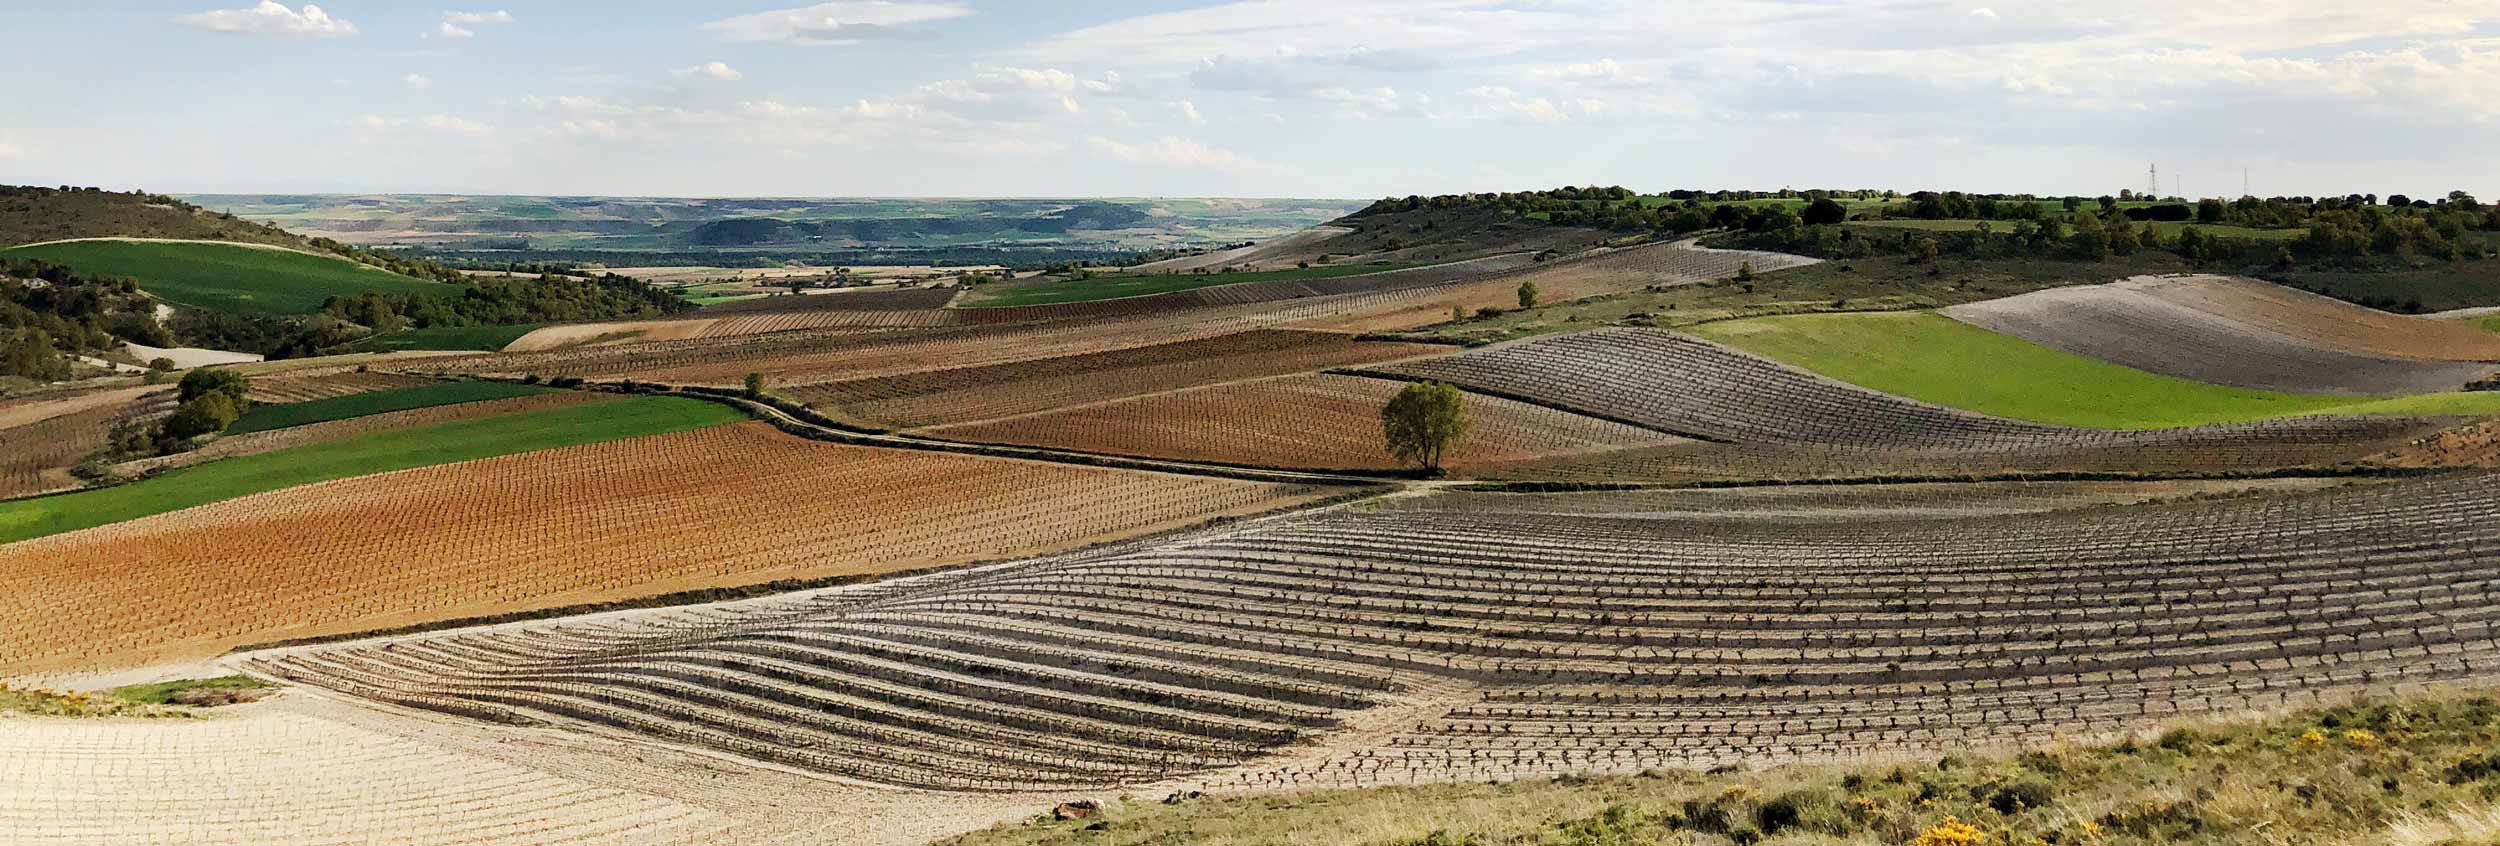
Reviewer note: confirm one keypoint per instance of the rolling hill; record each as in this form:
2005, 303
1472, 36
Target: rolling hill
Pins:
233, 278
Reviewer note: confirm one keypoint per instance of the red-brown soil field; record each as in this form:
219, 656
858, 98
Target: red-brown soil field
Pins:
725, 506
1305, 421
967, 394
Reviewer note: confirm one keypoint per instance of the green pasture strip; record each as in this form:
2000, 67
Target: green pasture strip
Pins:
377, 452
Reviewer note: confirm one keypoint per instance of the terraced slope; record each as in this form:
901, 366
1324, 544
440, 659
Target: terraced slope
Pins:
1304, 421
967, 394
1774, 421
2150, 325
723, 506
1460, 639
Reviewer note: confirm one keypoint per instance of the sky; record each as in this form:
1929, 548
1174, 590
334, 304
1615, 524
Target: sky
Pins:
1262, 98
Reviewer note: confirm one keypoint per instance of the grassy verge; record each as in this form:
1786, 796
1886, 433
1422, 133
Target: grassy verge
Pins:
1930, 357
1045, 292
378, 452
478, 338
266, 417
2413, 774
217, 691
230, 278
1877, 284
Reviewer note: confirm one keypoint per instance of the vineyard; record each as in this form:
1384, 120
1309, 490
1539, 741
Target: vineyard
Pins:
1767, 420
1471, 636
45, 438
723, 506
1308, 421
2157, 325
327, 383
965, 394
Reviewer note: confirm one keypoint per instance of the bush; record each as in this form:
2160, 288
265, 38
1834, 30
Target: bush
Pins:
236, 387
207, 414
2022, 796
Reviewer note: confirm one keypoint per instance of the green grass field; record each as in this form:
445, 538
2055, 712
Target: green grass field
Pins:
1929, 357
479, 338
263, 418
1038, 292
227, 277
378, 452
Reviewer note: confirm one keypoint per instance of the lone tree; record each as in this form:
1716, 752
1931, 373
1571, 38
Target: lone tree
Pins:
756, 385
1424, 422
1527, 295
1824, 211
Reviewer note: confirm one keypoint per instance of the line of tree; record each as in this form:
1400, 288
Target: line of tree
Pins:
2363, 239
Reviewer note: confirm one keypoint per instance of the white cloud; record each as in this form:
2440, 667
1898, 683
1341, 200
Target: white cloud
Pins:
445, 124
457, 24
416, 80
1984, 12
712, 70
1188, 112
1170, 151
841, 22
271, 18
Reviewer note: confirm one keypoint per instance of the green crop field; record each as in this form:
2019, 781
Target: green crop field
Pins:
263, 418
228, 277
479, 338
378, 452
1038, 292
1929, 357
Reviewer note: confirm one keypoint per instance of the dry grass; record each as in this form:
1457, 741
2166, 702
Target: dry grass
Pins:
2410, 774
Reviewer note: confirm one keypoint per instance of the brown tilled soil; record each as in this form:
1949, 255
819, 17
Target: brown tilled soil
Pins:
964, 395
1305, 421
2137, 325
2470, 445
1593, 275
2326, 321
731, 505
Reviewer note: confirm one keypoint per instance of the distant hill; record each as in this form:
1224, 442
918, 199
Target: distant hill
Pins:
30, 215
500, 227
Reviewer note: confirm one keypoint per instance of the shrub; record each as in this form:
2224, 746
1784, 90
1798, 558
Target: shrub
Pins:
2022, 796
236, 387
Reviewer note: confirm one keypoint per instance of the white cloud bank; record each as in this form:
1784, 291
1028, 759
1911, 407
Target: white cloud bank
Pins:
838, 23
712, 70
460, 24
271, 18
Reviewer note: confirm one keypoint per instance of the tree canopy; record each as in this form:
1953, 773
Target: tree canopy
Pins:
1424, 422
